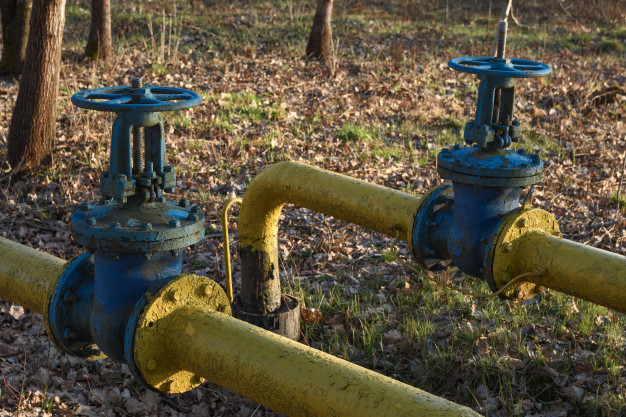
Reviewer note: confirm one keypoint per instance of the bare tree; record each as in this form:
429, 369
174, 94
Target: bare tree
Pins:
15, 24
320, 44
99, 43
32, 129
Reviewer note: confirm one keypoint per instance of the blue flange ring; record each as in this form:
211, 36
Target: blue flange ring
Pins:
139, 100
509, 67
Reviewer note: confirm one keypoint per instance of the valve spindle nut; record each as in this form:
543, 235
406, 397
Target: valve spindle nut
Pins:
175, 295
506, 247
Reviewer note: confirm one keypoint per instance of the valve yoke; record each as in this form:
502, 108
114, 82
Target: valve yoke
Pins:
138, 167
494, 128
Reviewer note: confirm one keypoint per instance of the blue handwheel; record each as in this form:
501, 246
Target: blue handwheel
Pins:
139, 100
509, 67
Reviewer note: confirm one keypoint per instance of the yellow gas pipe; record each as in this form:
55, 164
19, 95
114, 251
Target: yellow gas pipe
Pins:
575, 269
28, 276
529, 242
382, 209
273, 370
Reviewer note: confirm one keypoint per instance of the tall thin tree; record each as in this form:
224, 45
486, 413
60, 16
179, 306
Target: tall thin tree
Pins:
320, 44
99, 43
15, 24
32, 129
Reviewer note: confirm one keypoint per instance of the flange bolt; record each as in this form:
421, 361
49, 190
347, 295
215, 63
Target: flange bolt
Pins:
457, 147
175, 223
506, 247
151, 364
91, 221
183, 203
116, 225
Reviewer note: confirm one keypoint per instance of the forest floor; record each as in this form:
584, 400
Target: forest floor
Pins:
381, 112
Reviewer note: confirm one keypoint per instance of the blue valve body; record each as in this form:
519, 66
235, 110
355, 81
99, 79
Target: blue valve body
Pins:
136, 236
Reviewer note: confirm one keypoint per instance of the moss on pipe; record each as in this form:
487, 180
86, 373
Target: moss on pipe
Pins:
28, 276
378, 208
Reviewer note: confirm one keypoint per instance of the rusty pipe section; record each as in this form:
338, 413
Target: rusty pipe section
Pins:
287, 376
378, 208
583, 271
28, 276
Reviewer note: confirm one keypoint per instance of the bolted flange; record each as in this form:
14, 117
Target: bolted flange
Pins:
151, 227
501, 255
68, 309
144, 352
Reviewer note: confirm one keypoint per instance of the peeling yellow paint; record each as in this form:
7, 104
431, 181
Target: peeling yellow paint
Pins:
507, 252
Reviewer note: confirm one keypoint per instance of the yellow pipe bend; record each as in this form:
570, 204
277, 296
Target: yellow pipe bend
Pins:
378, 208
28, 276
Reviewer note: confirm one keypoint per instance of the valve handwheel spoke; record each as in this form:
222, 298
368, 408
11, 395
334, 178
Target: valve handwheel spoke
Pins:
129, 99
490, 66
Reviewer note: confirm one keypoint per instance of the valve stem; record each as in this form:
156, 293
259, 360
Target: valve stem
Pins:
502, 32
138, 137
500, 52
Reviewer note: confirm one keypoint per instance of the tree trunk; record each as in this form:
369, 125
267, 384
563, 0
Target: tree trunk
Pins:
32, 130
15, 24
320, 44
99, 41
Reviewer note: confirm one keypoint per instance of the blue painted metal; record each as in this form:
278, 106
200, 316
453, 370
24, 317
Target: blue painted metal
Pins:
70, 307
457, 222
494, 126
136, 100
489, 168
121, 279
148, 228
500, 67
138, 238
